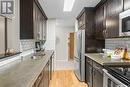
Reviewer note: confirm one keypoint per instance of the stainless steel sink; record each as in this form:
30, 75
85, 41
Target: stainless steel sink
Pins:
37, 56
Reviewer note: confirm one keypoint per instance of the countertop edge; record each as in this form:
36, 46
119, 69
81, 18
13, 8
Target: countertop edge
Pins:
108, 62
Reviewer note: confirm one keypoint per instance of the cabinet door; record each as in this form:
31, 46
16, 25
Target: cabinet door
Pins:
99, 21
39, 82
36, 32
34, 19
50, 68
88, 71
40, 26
112, 9
26, 19
46, 76
97, 78
44, 28
126, 4
90, 26
81, 21
89, 74
2, 35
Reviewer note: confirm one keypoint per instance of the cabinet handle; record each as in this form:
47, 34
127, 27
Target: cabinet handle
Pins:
97, 68
105, 33
93, 72
89, 61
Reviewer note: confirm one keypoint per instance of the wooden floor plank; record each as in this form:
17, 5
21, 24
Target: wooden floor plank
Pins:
65, 79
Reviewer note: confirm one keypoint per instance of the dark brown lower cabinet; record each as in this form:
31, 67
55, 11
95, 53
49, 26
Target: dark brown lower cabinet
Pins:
94, 73
89, 75
89, 70
51, 71
39, 82
44, 78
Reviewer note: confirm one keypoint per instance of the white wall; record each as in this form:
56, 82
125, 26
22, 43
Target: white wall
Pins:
15, 36
62, 35
51, 26
57, 40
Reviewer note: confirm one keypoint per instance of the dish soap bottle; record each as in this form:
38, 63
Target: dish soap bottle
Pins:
126, 54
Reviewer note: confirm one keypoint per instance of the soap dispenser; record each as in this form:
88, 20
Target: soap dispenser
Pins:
126, 54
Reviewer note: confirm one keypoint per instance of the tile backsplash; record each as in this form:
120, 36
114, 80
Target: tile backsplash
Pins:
117, 42
27, 44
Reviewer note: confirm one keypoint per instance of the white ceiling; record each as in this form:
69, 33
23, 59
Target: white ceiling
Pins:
54, 9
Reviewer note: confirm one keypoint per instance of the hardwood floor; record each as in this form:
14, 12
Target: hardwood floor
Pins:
65, 79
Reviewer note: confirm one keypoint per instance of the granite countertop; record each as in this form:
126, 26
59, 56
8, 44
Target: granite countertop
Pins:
106, 61
23, 73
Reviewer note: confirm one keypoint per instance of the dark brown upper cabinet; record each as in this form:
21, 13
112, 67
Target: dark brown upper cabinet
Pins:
126, 4
81, 21
32, 20
100, 23
86, 21
112, 10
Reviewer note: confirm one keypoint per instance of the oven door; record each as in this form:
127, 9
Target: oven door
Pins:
124, 23
111, 81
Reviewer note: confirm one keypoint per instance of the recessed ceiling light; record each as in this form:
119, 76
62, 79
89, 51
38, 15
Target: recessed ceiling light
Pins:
68, 5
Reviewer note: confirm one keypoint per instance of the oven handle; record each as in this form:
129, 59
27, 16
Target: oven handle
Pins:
114, 79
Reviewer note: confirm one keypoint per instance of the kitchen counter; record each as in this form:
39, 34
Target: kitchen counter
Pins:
2, 56
106, 61
23, 73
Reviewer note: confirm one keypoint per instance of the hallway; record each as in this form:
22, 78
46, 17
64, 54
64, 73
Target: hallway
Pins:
65, 79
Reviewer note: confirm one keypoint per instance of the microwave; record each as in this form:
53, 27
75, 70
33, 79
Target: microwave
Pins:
124, 23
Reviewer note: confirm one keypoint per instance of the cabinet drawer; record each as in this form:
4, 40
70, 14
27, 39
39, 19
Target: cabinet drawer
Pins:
98, 67
89, 61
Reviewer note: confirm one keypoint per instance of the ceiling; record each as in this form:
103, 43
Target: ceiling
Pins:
54, 9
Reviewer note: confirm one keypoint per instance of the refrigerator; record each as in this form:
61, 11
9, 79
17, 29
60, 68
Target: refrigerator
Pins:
79, 51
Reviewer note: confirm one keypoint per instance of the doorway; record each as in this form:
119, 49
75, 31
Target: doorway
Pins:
71, 46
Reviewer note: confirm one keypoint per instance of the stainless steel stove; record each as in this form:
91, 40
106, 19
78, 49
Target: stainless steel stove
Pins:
117, 77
